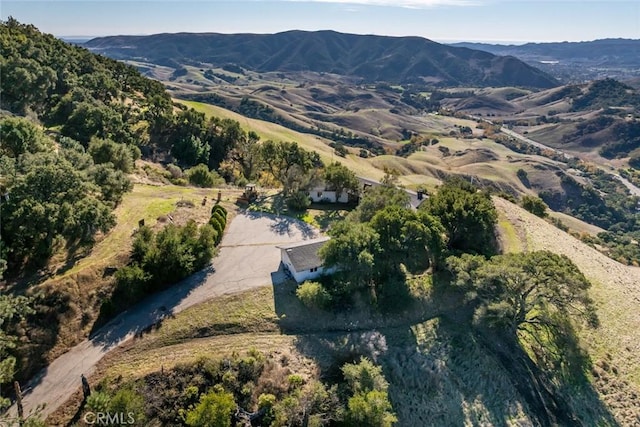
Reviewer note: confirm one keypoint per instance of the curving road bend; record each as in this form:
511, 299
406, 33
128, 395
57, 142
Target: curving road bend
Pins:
248, 259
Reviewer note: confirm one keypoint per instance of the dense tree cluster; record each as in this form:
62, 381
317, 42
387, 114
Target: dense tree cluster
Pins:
68, 86
12, 310
159, 260
467, 214
55, 193
381, 240
224, 392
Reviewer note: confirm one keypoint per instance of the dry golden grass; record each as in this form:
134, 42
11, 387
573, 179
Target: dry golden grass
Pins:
250, 311
614, 347
130, 365
272, 131
575, 224
441, 376
85, 281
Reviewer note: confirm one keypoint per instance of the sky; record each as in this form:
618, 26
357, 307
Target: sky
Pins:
496, 21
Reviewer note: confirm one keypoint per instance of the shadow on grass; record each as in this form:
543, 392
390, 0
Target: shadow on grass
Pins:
443, 371
150, 311
43, 328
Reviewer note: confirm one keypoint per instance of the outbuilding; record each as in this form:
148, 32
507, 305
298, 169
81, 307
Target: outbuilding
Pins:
302, 261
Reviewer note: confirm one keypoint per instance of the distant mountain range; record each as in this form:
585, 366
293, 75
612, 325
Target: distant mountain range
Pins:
368, 57
617, 58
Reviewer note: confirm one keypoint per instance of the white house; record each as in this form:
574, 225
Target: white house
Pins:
302, 260
322, 194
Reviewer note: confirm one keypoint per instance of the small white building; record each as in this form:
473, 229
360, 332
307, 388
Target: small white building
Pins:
302, 260
322, 194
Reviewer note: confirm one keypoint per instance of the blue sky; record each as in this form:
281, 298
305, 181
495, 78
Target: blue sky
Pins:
440, 20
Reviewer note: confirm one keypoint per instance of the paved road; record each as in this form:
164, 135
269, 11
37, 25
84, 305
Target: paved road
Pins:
635, 191
248, 258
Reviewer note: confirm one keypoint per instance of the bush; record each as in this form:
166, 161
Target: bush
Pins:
107, 151
221, 218
266, 401
219, 208
131, 284
98, 402
535, 205
159, 260
298, 201
218, 228
175, 171
313, 295
129, 402
295, 381
201, 176
371, 409
214, 410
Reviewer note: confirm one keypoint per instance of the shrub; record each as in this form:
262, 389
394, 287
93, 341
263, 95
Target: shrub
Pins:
341, 150
98, 402
219, 208
214, 410
298, 201
535, 205
175, 171
522, 174
201, 176
131, 284
217, 227
107, 151
295, 381
559, 224
313, 295
128, 401
370, 409
222, 219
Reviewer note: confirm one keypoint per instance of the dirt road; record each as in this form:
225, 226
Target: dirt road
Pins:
248, 258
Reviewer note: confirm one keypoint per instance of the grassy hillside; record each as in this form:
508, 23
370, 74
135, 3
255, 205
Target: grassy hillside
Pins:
86, 280
271, 131
482, 158
613, 346
439, 372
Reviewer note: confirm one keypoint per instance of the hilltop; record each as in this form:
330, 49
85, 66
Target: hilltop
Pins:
574, 61
364, 57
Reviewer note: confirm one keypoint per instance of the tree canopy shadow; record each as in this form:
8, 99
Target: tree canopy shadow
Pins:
284, 225
148, 312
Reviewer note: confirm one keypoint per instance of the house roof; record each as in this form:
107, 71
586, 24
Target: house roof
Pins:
304, 255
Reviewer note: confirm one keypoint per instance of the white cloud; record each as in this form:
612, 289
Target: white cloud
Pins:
414, 4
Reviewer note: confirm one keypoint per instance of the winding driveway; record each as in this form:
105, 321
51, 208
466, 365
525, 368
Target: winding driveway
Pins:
248, 258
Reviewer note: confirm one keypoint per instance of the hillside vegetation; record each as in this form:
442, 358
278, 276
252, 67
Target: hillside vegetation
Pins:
428, 319
74, 126
372, 58
575, 61
440, 367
